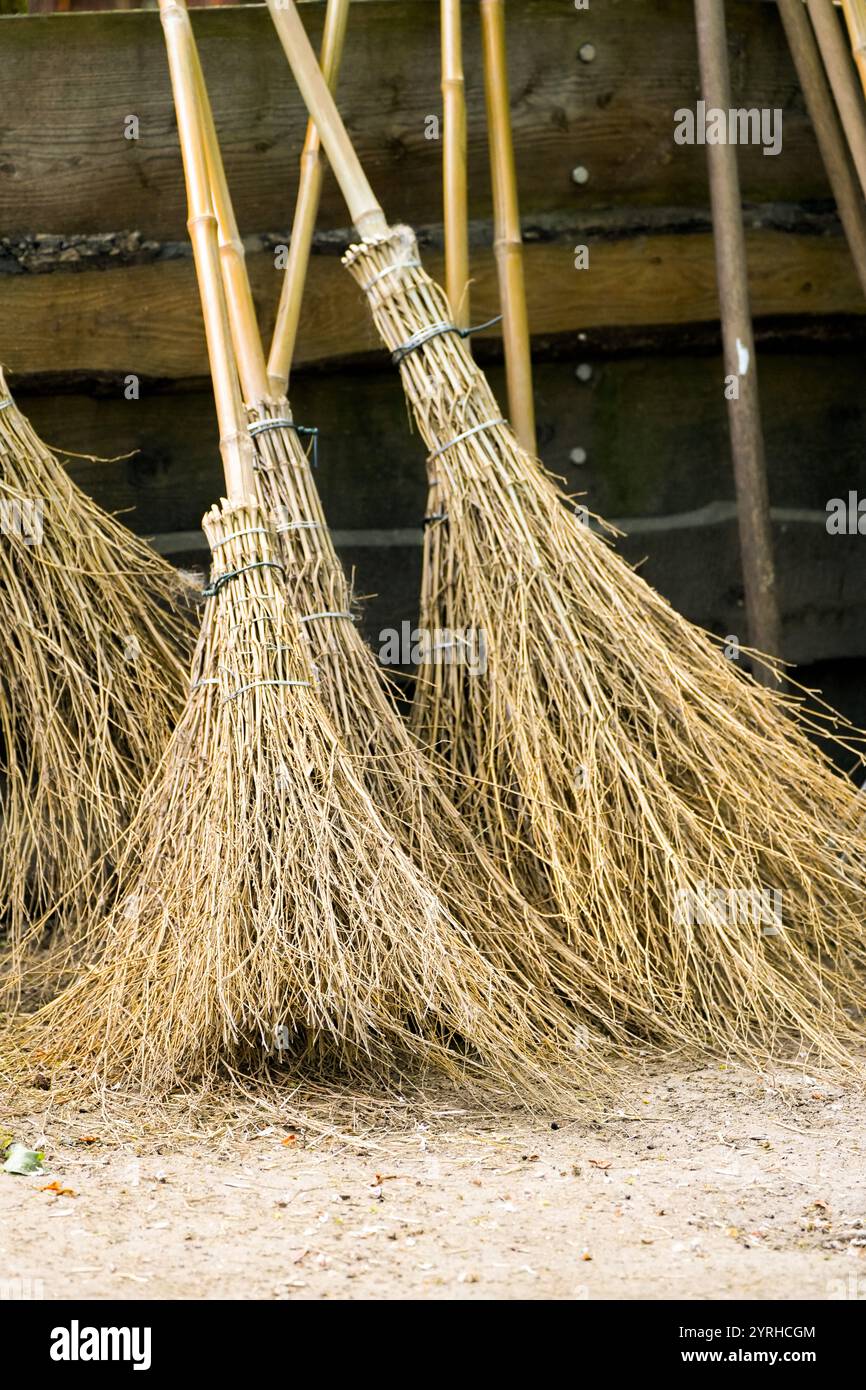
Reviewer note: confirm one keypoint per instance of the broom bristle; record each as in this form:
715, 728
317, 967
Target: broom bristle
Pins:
95, 634
628, 777
404, 783
262, 903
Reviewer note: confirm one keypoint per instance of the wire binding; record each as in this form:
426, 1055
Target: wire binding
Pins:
222, 579
309, 617
389, 269
248, 531
435, 330
283, 422
467, 434
260, 685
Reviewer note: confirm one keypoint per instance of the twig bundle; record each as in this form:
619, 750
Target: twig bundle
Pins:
263, 906
95, 634
628, 777
559, 991
262, 902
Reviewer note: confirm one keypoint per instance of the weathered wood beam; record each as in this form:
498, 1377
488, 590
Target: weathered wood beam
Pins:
67, 165
145, 319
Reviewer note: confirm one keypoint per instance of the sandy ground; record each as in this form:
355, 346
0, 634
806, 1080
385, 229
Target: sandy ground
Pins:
707, 1183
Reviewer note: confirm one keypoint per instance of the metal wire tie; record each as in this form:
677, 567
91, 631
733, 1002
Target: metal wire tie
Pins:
258, 685
435, 330
216, 584
380, 274
282, 422
248, 531
297, 526
458, 439
308, 617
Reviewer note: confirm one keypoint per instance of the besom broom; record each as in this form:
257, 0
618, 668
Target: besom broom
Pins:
261, 896
95, 635
404, 787
627, 776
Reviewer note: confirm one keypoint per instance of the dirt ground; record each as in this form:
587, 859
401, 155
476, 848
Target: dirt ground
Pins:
703, 1183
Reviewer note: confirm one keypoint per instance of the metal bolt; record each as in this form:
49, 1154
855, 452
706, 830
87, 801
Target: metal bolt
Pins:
579, 174
586, 52
583, 372
578, 456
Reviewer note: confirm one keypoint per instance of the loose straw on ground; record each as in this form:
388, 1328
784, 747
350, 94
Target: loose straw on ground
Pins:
95, 634
628, 777
741, 368
264, 905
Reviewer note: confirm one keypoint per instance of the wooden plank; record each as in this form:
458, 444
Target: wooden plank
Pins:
67, 167
146, 319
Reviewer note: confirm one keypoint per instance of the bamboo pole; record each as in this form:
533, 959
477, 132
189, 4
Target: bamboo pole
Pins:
855, 18
843, 80
454, 192
235, 444
508, 241
825, 123
236, 285
744, 416
364, 209
306, 210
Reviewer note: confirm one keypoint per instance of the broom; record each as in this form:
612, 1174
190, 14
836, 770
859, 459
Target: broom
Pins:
261, 899
95, 632
403, 785
628, 777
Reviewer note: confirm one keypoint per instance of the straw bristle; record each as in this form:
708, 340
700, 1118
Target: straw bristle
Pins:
262, 903
95, 634
628, 777
405, 785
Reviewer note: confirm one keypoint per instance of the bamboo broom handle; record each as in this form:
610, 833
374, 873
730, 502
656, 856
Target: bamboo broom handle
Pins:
306, 211
822, 114
236, 284
454, 193
843, 80
855, 17
235, 444
508, 241
364, 210
744, 416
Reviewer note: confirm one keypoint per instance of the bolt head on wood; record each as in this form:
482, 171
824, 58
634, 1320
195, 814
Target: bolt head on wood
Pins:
580, 174
586, 52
